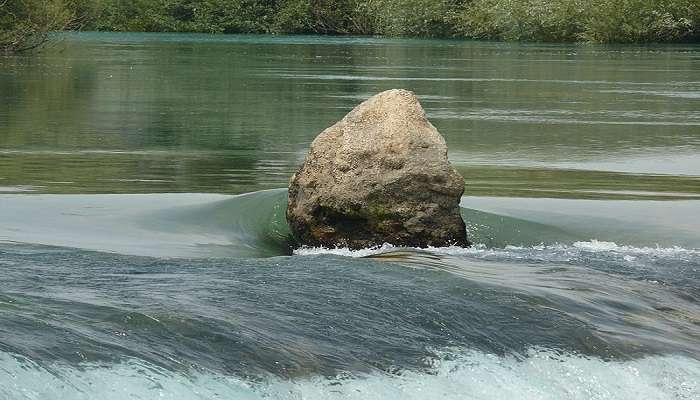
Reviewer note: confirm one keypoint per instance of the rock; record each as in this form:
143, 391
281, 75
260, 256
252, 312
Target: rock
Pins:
379, 175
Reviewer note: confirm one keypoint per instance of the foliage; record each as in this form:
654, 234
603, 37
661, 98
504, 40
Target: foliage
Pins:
26, 24
539, 20
213, 16
642, 21
368, 17
524, 20
318, 16
600, 21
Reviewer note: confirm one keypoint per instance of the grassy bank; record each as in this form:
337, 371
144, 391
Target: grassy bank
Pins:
600, 21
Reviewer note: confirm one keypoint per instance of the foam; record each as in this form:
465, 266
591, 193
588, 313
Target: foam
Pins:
554, 251
602, 246
344, 251
456, 375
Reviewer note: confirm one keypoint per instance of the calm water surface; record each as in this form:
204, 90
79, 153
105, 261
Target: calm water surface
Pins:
144, 251
124, 113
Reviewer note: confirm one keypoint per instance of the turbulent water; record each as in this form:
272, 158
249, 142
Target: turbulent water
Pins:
144, 252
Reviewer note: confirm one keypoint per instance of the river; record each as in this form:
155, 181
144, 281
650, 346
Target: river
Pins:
144, 251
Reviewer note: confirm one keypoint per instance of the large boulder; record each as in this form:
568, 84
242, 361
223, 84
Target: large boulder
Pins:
379, 175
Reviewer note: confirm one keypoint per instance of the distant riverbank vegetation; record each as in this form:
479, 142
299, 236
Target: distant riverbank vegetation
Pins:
24, 23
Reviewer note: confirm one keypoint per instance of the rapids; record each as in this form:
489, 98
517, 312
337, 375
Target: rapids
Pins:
199, 296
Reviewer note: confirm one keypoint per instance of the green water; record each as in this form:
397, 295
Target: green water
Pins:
154, 113
583, 179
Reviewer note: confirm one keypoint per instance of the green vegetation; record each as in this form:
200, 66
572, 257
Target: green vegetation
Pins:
600, 21
24, 23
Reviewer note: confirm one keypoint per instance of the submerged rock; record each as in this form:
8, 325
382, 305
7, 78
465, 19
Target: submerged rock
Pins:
379, 175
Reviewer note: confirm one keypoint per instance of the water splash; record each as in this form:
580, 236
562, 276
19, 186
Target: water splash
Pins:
541, 375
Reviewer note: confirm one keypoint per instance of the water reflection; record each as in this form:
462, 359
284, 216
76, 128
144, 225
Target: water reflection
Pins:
198, 113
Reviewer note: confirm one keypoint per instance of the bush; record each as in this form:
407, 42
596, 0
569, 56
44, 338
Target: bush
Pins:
128, 15
212, 16
317, 16
369, 17
524, 20
232, 16
387, 17
26, 24
414, 17
602, 21
641, 21
520, 20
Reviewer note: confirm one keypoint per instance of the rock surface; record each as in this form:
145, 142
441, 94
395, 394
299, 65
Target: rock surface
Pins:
379, 175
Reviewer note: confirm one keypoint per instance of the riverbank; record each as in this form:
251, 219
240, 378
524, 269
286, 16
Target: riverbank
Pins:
596, 21
523, 20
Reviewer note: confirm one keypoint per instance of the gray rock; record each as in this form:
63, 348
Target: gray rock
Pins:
379, 175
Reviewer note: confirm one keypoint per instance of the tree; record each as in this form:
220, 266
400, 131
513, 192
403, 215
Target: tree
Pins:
27, 24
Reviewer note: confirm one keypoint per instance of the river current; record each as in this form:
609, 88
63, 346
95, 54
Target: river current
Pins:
144, 251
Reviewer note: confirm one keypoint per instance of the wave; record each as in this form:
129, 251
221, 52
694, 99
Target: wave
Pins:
156, 225
554, 251
254, 225
535, 310
540, 374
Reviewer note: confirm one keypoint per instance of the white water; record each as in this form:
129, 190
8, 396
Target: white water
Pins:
552, 252
468, 375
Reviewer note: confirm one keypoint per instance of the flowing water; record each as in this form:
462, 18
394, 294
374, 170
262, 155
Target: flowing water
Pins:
144, 251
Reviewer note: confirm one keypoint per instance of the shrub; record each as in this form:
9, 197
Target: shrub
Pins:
641, 21
602, 21
128, 15
521, 20
423, 18
319, 16
26, 24
231, 16
538, 20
